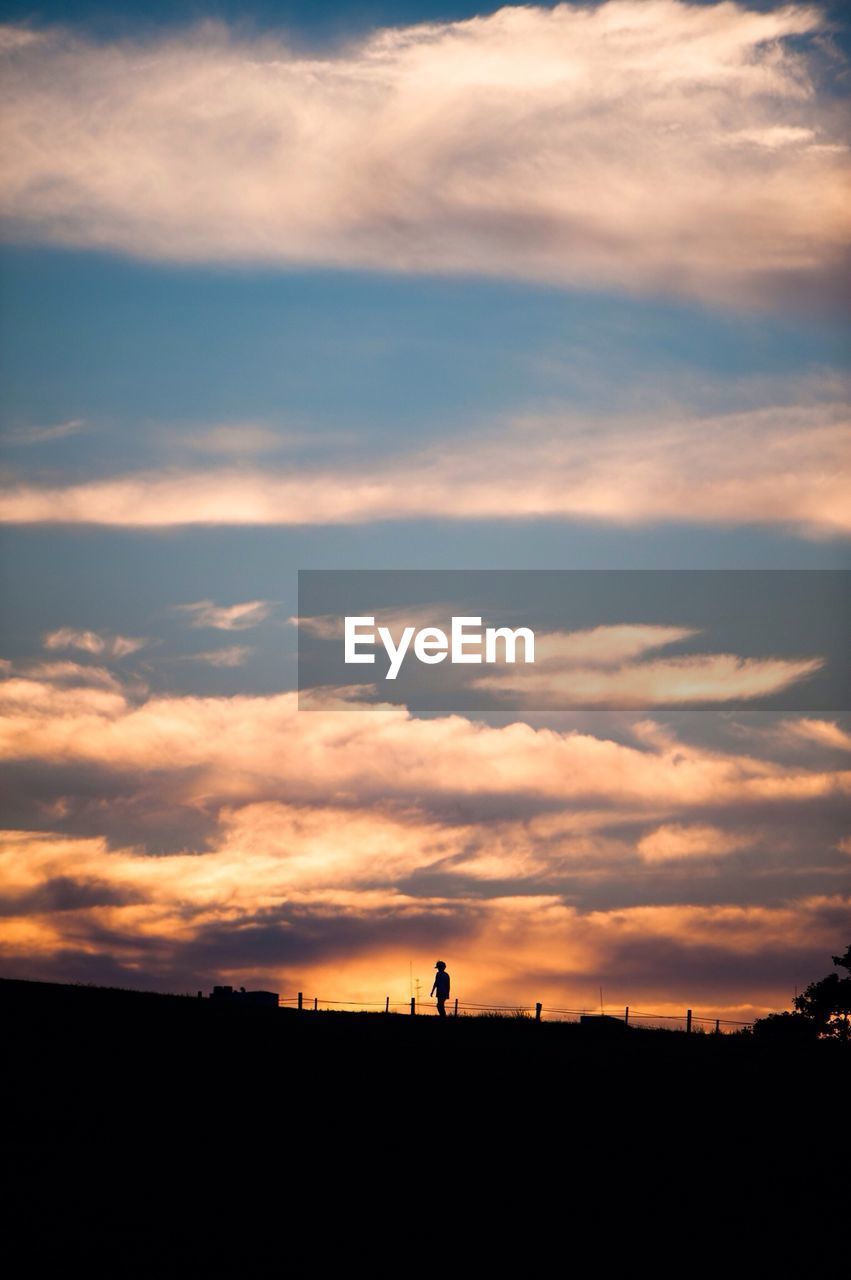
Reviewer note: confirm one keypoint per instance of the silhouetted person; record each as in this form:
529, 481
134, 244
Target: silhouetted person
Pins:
441, 986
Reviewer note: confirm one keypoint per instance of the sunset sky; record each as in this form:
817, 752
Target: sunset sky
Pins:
414, 286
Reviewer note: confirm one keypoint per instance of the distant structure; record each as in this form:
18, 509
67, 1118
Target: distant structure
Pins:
267, 999
602, 1022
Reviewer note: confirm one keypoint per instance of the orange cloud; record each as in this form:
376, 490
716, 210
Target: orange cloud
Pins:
337, 844
239, 741
673, 841
825, 733
505, 949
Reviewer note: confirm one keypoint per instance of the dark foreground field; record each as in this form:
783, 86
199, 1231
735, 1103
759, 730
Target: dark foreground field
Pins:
153, 1135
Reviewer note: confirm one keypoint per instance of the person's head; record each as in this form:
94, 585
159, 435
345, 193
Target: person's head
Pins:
440, 965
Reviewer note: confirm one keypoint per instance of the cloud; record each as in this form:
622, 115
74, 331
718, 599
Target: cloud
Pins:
785, 465
604, 646
326, 848
234, 617
232, 746
698, 678
73, 676
93, 642
607, 666
394, 618
643, 145
236, 439
825, 733
324, 627
42, 435
674, 841
231, 656
75, 673
246, 908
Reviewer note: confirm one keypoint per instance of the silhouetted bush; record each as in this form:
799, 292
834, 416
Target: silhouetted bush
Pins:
787, 1027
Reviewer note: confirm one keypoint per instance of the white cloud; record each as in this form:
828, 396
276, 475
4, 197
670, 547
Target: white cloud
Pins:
93, 642
785, 465
647, 145
44, 435
240, 743
609, 666
232, 656
234, 617
394, 618
704, 678
74, 673
604, 646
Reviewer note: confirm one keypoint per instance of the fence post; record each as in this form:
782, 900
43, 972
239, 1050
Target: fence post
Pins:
315, 1003
300, 1001
688, 1022
626, 1016
413, 1004
387, 1005
456, 1006
200, 995
538, 1012
717, 1026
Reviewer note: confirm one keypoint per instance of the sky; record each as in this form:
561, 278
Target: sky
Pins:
413, 286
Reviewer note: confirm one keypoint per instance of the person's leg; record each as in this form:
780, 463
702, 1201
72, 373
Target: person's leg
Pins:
441, 1007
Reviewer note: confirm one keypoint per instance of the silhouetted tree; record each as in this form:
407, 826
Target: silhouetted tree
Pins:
828, 1002
823, 1009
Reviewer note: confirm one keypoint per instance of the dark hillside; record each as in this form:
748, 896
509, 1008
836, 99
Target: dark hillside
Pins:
128, 1110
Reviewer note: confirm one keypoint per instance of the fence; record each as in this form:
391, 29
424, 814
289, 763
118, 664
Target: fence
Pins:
688, 1021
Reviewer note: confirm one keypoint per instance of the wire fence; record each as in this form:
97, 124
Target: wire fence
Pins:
687, 1021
